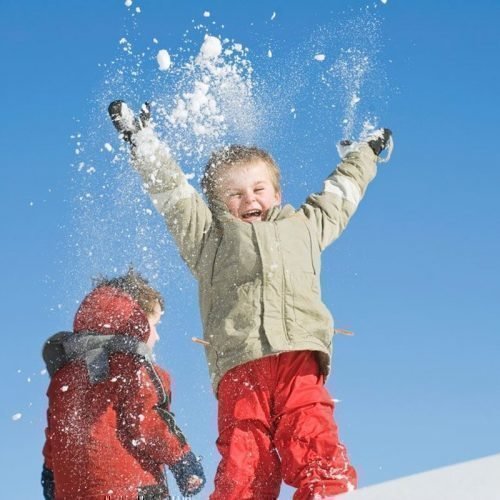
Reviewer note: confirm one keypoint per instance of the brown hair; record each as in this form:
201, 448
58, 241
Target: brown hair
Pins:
236, 155
137, 287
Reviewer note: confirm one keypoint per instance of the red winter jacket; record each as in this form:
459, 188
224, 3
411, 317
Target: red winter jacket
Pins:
109, 431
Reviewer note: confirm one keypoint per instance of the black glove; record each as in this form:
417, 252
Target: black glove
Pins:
189, 474
379, 143
124, 120
48, 484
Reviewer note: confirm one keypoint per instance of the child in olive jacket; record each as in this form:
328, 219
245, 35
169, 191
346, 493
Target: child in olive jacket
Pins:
268, 334
110, 431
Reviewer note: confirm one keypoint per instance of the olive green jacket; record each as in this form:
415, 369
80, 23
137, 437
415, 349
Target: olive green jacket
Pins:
259, 286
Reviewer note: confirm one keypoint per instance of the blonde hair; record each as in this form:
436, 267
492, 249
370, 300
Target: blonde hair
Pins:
232, 156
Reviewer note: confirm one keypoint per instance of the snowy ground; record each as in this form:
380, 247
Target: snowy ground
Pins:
474, 480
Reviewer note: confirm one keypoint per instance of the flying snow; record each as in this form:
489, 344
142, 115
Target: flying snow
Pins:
164, 61
211, 48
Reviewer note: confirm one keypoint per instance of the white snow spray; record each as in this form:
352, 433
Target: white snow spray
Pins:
207, 92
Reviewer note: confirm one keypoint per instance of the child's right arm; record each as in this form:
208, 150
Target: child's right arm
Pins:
185, 212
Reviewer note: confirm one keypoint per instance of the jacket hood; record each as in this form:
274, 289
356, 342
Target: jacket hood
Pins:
109, 311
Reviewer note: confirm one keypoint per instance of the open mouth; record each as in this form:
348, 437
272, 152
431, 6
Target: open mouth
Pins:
252, 215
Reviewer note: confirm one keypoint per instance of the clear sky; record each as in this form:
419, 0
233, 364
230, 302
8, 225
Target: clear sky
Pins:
416, 275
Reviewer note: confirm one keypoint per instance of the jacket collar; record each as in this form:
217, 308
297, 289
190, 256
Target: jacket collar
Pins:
93, 348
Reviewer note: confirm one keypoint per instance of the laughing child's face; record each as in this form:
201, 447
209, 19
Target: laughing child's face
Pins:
248, 191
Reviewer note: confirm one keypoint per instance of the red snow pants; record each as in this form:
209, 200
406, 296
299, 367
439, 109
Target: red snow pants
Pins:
276, 423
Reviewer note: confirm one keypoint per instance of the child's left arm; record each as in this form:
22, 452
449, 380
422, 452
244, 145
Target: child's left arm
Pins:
147, 423
331, 210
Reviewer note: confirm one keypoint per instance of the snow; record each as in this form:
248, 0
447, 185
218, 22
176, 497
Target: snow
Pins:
320, 57
476, 479
128, 3
211, 48
17, 416
206, 14
273, 16
108, 147
64, 388
163, 59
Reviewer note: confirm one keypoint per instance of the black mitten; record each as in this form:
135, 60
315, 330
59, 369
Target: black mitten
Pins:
379, 143
125, 121
189, 474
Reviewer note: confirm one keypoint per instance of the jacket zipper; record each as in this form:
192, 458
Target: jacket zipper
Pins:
283, 285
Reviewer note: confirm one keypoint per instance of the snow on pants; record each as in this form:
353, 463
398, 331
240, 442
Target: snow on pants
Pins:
276, 423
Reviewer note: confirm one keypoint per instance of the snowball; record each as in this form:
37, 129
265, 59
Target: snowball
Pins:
164, 61
211, 47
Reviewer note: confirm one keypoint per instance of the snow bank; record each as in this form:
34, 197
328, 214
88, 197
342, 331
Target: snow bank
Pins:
474, 480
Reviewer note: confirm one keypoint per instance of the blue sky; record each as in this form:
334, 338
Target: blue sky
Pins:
416, 274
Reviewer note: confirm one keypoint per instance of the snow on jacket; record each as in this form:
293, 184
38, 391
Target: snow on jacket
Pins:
110, 431
259, 286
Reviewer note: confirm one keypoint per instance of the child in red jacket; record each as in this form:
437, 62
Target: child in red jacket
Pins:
110, 431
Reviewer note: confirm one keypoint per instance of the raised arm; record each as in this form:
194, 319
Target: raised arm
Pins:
186, 214
330, 210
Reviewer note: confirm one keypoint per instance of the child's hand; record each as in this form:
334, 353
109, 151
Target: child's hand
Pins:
189, 474
380, 139
125, 121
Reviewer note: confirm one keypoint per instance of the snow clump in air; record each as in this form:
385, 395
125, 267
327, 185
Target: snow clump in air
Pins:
211, 48
214, 97
16, 416
163, 59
